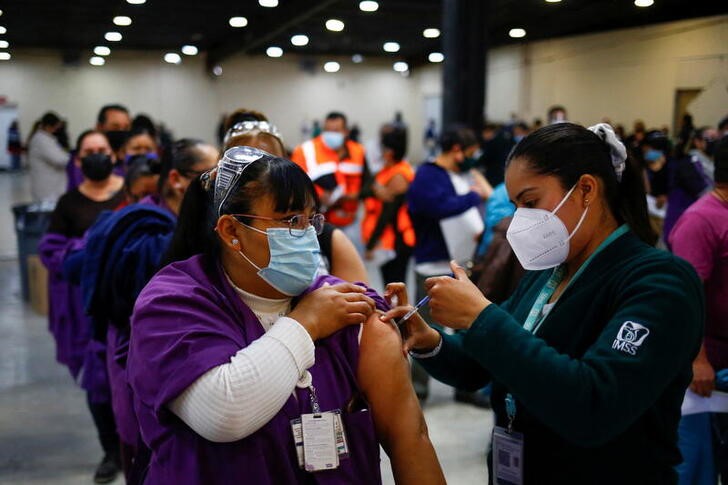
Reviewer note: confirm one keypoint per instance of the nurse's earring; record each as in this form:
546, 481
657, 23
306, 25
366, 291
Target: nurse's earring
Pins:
235, 242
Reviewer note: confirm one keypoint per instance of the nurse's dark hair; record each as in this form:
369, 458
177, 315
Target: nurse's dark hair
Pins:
285, 182
568, 151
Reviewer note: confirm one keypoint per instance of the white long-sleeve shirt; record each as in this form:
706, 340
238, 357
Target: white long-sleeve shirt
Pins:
47, 160
233, 400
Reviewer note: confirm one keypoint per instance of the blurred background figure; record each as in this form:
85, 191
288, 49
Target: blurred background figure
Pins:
47, 160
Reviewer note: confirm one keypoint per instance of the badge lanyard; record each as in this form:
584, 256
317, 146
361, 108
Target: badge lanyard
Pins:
535, 318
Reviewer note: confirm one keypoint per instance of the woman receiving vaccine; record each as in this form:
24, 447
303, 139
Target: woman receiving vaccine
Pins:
590, 357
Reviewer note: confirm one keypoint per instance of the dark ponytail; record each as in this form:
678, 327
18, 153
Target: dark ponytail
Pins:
568, 151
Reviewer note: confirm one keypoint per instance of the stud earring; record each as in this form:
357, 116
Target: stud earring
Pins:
234, 242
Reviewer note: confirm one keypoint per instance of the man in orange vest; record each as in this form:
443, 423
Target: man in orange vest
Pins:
335, 164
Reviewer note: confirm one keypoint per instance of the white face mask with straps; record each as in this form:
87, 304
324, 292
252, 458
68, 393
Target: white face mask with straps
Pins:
539, 239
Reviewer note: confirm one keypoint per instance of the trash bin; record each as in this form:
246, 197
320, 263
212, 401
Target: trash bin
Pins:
31, 222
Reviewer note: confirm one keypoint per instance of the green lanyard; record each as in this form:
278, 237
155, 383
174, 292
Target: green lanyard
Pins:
535, 320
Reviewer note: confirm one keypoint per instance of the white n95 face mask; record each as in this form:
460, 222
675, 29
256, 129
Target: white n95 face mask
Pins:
539, 238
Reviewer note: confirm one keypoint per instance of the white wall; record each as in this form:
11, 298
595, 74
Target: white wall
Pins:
623, 75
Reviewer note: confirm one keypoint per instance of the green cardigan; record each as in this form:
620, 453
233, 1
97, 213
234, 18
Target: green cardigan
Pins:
600, 385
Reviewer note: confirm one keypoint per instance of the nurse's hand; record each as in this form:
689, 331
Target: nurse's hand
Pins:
417, 334
331, 308
455, 302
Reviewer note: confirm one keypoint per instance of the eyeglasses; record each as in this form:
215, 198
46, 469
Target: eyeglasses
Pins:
297, 224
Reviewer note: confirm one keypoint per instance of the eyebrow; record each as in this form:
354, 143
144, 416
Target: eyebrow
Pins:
520, 194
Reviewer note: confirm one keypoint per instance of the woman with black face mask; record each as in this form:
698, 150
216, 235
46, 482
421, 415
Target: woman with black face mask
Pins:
75, 212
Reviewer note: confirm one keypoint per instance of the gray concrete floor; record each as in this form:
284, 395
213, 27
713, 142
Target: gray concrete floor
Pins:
46, 432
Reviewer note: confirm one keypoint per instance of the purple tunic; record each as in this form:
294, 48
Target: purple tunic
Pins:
67, 322
188, 320
117, 345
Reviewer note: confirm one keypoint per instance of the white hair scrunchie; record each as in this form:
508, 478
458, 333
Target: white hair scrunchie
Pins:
617, 151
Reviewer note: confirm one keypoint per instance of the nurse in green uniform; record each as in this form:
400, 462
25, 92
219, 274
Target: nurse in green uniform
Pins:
590, 357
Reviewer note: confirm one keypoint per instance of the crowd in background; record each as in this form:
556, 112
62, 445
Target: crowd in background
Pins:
392, 209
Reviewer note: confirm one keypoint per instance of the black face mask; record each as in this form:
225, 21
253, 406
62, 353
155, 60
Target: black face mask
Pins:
710, 147
97, 166
117, 138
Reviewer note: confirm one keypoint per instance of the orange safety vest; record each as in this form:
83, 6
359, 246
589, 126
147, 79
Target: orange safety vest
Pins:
318, 160
373, 210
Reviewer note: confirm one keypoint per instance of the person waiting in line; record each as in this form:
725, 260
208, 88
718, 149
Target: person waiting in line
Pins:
335, 164
441, 190
75, 212
386, 228
686, 181
222, 374
339, 257
700, 236
139, 142
495, 145
141, 179
123, 249
557, 114
702, 148
655, 150
114, 121
590, 357
47, 160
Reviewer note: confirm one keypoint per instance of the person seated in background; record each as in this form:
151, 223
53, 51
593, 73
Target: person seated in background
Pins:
75, 212
139, 142
142, 178
222, 374
339, 257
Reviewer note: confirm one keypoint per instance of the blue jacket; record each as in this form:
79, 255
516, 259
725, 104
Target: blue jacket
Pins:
431, 197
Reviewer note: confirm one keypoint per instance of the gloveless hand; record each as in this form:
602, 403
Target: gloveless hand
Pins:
455, 302
417, 334
331, 308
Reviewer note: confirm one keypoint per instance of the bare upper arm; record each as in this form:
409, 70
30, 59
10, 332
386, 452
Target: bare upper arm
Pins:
345, 260
397, 185
384, 378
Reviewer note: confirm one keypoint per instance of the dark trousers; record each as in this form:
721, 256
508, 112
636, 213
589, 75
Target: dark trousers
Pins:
720, 426
103, 417
396, 269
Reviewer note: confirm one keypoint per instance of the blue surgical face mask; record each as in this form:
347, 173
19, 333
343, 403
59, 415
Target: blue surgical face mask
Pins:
333, 139
518, 138
294, 260
653, 155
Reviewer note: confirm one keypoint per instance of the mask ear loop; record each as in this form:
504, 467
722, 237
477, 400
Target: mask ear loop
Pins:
583, 214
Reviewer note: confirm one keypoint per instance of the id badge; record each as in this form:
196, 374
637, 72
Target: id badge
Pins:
319, 442
342, 445
507, 457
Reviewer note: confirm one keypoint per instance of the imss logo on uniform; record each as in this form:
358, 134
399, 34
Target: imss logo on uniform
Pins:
630, 337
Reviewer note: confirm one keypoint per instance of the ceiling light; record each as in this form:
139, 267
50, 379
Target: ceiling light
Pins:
97, 61
357, 58
4, 56
335, 25
553, 1
299, 40
436, 57
1, 12
332, 66
122, 21
136, 2
517, 33
431, 33
102, 50
274, 51
112, 36
368, 6
268, 3
3, 30
400, 66
644, 3
217, 70
4, 44
391, 47
189, 50
238, 22
172, 58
